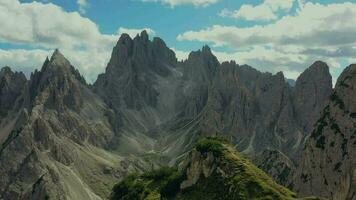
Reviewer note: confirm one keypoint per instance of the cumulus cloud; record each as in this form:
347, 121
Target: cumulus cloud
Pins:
264, 11
23, 60
181, 55
313, 25
133, 32
316, 31
89, 63
174, 3
82, 5
48, 25
44, 27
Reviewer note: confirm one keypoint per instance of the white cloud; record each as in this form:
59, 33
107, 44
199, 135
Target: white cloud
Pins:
264, 11
270, 60
82, 4
174, 3
44, 27
48, 25
89, 63
23, 60
133, 32
316, 32
181, 55
313, 25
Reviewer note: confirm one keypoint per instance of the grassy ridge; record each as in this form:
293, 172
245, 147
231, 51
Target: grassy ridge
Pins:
234, 178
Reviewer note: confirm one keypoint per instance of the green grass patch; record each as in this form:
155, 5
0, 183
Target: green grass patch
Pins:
156, 184
214, 145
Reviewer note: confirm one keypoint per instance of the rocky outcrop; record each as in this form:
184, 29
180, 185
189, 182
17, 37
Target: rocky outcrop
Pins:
260, 114
213, 170
276, 164
12, 85
312, 90
140, 85
328, 164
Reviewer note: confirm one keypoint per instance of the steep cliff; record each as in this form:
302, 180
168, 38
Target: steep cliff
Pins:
56, 148
328, 163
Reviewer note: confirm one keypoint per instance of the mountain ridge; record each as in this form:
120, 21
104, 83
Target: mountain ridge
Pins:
145, 111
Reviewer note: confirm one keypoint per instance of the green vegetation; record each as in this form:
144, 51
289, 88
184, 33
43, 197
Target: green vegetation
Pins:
242, 180
163, 182
214, 145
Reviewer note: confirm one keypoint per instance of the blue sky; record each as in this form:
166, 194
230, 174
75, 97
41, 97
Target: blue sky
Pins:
270, 35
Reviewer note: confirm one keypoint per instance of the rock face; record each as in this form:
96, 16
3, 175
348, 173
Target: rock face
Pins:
313, 88
12, 85
138, 72
262, 113
161, 105
56, 147
276, 164
328, 165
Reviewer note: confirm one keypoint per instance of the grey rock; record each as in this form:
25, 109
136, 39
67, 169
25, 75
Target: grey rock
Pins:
328, 163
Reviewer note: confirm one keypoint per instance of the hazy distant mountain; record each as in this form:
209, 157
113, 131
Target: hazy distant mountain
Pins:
291, 82
64, 139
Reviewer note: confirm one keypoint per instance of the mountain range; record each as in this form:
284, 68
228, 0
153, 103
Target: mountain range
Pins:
62, 138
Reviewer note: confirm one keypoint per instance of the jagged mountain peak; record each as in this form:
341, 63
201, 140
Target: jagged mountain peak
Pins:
348, 75
12, 85
57, 84
143, 36
204, 52
315, 78
206, 49
5, 70
344, 92
57, 62
319, 63
140, 54
59, 65
312, 89
280, 75
201, 65
318, 69
58, 57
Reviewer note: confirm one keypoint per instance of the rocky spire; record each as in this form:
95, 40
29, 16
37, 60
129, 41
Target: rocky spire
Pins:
312, 89
60, 78
201, 65
133, 58
12, 85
